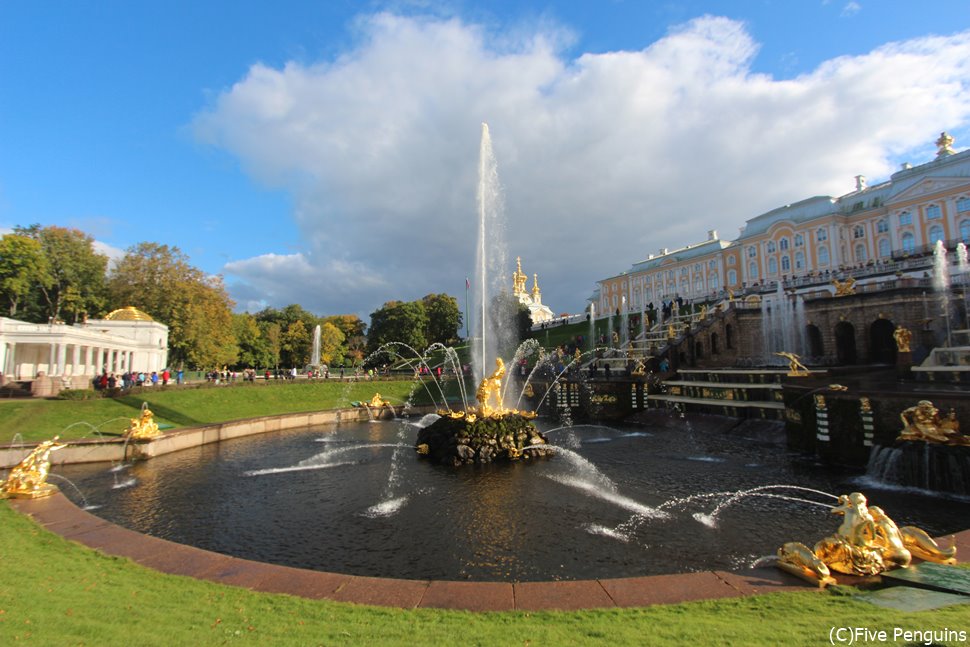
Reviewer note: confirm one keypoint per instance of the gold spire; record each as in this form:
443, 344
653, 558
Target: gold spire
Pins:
944, 145
518, 278
536, 295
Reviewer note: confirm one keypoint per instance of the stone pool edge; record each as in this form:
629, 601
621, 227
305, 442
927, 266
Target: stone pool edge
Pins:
61, 516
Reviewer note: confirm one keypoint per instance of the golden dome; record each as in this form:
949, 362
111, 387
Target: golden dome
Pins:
129, 313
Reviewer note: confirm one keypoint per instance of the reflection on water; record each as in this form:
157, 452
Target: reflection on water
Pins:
634, 501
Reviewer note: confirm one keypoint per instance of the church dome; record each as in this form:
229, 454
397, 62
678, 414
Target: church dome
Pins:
129, 313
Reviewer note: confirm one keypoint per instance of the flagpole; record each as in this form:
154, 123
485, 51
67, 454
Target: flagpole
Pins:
466, 310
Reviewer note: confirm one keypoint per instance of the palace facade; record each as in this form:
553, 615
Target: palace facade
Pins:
819, 236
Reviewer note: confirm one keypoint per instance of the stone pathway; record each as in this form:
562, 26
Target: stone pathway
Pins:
61, 516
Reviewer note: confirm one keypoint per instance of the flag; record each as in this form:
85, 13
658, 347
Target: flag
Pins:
468, 284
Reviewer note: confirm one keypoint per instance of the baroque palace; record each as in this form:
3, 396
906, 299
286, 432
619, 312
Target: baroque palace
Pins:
809, 240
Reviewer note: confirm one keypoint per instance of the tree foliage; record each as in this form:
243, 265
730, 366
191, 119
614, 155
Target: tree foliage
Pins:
196, 308
331, 344
398, 321
23, 267
75, 280
444, 318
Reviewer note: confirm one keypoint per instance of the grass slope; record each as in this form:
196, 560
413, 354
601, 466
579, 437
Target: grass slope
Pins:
37, 420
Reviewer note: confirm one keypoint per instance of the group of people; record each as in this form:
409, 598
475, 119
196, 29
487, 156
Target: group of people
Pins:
130, 379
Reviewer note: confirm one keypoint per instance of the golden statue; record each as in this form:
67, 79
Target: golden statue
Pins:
492, 385
377, 402
844, 288
144, 426
923, 422
640, 368
944, 145
903, 337
795, 367
867, 542
28, 479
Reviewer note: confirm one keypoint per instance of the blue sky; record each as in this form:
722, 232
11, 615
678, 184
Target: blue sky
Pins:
324, 152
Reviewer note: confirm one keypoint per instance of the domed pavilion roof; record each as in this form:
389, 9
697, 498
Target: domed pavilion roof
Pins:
129, 313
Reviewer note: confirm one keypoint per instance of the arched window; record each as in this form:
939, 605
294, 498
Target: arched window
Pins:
882, 226
783, 244
799, 240
713, 281
772, 265
785, 264
860, 253
858, 231
753, 271
936, 233
909, 243
905, 218
821, 235
799, 260
823, 255
770, 247
732, 277
884, 248
965, 230
752, 251
731, 260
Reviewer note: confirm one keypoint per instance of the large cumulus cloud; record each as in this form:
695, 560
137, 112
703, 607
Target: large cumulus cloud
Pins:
604, 158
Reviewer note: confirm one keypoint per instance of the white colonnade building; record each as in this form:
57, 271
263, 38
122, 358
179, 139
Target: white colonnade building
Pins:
55, 356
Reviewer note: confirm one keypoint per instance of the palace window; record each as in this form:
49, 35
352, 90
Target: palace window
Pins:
859, 232
753, 271
933, 212
713, 282
799, 260
783, 244
770, 247
860, 253
882, 226
963, 204
712, 265
772, 265
884, 249
785, 264
732, 277
908, 243
965, 230
936, 233
821, 235
730, 260
799, 240
752, 252
823, 255
905, 218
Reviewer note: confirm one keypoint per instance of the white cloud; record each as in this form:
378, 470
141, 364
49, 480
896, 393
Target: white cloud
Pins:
603, 159
851, 8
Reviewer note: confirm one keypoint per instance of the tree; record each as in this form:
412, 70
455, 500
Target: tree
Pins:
296, 345
196, 308
76, 273
331, 343
444, 318
254, 346
398, 321
349, 325
272, 333
23, 267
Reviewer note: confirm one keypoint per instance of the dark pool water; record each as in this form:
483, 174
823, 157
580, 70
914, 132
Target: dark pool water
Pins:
354, 498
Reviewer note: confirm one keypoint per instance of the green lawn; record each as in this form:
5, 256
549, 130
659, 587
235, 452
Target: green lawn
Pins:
38, 419
56, 592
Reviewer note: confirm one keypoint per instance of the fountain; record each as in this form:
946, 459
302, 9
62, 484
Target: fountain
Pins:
315, 353
783, 324
28, 479
616, 503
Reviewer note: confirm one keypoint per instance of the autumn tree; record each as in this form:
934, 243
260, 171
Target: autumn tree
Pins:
23, 268
255, 345
296, 345
331, 343
196, 308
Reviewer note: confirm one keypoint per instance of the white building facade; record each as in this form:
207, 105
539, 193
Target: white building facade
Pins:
57, 356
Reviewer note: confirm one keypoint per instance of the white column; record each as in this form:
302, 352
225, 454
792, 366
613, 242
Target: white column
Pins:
75, 363
88, 359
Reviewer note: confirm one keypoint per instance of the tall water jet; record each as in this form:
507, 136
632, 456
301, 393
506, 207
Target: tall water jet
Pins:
592, 326
941, 283
493, 331
315, 354
783, 324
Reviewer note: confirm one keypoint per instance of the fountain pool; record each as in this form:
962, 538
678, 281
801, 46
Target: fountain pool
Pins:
613, 502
